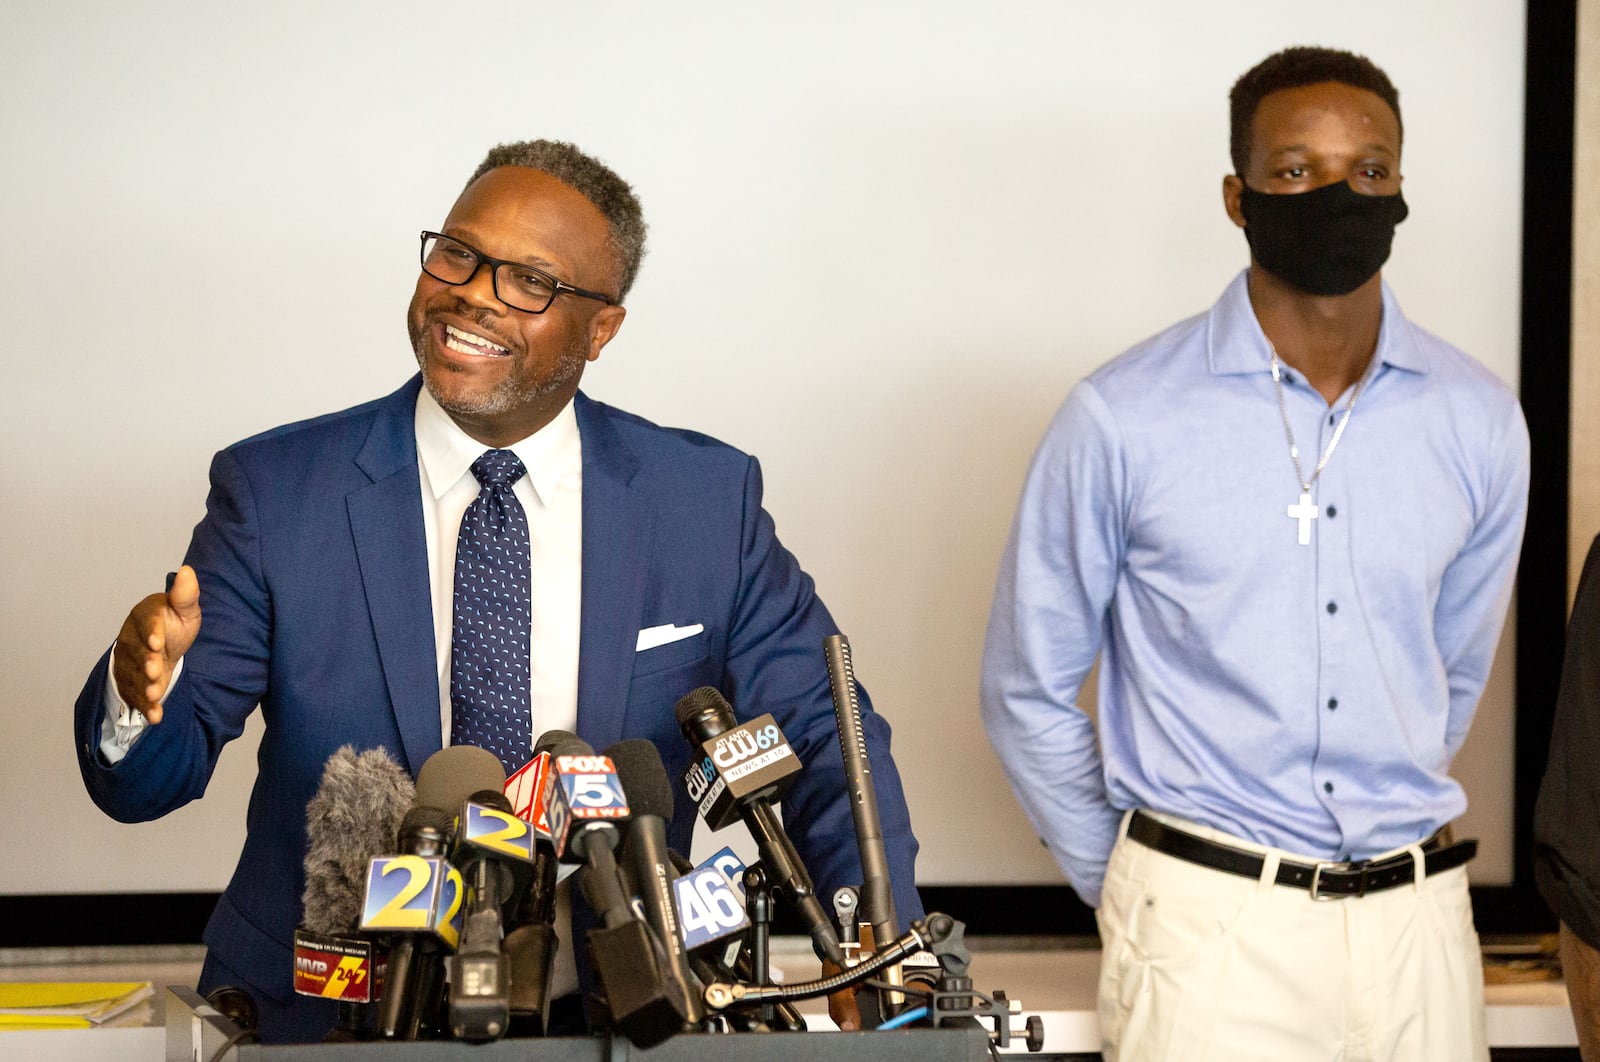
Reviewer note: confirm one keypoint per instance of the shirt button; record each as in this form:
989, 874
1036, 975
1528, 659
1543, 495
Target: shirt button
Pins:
1327, 787
1332, 418
1333, 511
1333, 606
1333, 702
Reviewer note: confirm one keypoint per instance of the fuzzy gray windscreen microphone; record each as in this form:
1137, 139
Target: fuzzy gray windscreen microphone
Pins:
353, 816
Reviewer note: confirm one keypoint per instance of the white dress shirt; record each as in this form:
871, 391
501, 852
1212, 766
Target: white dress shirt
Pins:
552, 496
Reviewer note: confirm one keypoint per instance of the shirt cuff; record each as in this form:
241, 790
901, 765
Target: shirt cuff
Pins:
122, 725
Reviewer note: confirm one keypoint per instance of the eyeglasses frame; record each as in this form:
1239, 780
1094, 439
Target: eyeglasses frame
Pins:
557, 286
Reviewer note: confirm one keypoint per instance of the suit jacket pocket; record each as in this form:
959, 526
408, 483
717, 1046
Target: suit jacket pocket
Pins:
673, 654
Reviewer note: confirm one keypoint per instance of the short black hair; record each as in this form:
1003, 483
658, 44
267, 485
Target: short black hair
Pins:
596, 182
1295, 68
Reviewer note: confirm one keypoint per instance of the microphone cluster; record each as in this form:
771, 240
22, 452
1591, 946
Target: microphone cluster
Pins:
430, 909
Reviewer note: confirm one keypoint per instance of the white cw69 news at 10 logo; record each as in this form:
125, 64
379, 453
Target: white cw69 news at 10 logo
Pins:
727, 752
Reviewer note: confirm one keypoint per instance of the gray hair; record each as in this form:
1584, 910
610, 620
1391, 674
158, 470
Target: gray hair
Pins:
596, 182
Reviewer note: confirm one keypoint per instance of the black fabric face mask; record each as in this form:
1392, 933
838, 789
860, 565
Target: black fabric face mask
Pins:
1325, 242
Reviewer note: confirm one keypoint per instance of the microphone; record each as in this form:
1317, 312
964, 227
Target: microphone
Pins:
418, 894
531, 944
752, 765
877, 899
584, 803
525, 785
710, 898
352, 817
494, 852
644, 778
452, 775
415, 896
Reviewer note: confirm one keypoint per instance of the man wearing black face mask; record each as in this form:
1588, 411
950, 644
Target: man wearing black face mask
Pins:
1291, 524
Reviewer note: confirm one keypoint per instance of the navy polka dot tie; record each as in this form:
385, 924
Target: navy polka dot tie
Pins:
489, 693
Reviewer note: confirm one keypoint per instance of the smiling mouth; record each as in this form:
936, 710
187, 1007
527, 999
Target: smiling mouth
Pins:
471, 343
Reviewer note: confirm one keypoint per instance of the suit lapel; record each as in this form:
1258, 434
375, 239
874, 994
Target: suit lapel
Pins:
617, 523
391, 548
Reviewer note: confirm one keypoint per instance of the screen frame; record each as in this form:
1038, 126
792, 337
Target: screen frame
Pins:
168, 918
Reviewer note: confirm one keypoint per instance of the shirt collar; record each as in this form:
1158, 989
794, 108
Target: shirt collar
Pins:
447, 452
1236, 344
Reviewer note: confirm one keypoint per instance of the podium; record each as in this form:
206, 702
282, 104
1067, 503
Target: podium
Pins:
197, 1032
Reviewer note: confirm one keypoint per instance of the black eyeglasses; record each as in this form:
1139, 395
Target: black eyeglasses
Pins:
519, 286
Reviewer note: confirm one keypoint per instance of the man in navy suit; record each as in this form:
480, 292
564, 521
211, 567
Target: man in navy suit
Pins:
323, 568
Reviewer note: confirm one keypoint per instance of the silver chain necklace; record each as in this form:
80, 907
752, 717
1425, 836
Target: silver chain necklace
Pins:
1305, 510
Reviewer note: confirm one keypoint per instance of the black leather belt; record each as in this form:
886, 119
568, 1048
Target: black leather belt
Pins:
1324, 881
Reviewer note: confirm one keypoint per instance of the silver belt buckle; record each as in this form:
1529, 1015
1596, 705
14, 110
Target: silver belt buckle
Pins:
1316, 882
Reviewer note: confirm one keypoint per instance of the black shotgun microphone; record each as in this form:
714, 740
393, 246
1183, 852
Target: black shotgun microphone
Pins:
704, 715
644, 779
353, 817
877, 898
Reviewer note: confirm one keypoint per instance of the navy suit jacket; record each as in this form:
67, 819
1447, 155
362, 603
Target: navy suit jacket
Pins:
316, 604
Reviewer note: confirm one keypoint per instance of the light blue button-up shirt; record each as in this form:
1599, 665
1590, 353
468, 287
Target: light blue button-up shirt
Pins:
1304, 696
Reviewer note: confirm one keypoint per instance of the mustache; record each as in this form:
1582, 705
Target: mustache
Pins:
482, 322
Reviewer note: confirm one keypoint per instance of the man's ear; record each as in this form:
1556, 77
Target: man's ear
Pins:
1232, 192
604, 326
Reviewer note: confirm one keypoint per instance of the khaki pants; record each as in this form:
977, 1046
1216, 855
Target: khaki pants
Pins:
1200, 964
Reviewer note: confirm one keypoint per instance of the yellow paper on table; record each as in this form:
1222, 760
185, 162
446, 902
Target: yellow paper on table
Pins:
82, 1002
15, 1022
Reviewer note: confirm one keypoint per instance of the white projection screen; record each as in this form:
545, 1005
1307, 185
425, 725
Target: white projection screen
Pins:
885, 240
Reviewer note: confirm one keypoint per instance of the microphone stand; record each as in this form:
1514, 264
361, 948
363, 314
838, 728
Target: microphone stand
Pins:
758, 903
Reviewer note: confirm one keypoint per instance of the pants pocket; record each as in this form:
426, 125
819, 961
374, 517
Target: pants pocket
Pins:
1169, 926
1175, 947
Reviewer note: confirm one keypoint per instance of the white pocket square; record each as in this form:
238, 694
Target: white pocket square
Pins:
665, 634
